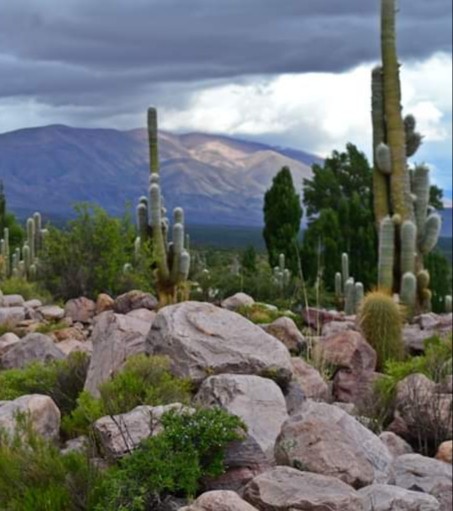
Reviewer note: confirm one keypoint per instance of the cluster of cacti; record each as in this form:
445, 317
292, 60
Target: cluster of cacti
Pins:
349, 294
408, 227
172, 258
23, 262
448, 304
381, 321
281, 274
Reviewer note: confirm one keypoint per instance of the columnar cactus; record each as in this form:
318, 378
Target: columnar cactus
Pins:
172, 259
282, 276
408, 230
348, 293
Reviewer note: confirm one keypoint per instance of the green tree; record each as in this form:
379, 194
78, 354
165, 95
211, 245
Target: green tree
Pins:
338, 199
7, 219
88, 257
248, 259
436, 196
282, 217
439, 270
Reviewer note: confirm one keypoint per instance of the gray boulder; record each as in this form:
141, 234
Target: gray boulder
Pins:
219, 501
203, 340
134, 300
288, 489
237, 301
80, 309
259, 402
382, 497
115, 337
327, 440
285, 330
41, 411
11, 316
32, 348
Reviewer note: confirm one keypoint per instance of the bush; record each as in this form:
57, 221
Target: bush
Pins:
190, 448
28, 290
62, 380
35, 476
89, 256
143, 381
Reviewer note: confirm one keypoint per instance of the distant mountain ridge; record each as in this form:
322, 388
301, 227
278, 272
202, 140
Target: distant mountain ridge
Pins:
217, 179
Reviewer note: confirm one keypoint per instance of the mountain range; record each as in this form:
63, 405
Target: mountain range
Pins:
218, 180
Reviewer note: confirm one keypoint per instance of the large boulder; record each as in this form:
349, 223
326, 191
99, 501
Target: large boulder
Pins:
395, 444
219, 501
32, 348
80, 309
327, 440
353, 361
120, 434
41, 411
135, 300
244, 460
104, 302
421, 411
422, 474
337, 327
285, 330
115, 337
444, 452
312, 383
203, 340
51, 312
11, 316
12, 301
237, 301
259, 402
383, 497
288, 489
7, 341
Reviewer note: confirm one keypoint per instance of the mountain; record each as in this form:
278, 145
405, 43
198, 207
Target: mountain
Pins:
217, 179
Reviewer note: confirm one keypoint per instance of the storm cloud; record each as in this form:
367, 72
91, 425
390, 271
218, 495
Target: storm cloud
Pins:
104, 52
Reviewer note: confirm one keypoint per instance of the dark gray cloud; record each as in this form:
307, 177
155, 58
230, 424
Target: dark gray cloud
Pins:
109, 54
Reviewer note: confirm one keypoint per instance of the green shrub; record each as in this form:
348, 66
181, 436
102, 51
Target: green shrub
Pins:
144, 380
259, 314
190, 448
29, 290
62, 380
35, 476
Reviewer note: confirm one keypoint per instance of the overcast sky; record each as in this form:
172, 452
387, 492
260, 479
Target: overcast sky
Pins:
289, 72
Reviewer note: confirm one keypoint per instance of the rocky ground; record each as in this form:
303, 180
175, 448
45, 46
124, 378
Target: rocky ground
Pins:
308, 446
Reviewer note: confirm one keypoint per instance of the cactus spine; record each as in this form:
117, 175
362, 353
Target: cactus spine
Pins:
400, 194
172, 259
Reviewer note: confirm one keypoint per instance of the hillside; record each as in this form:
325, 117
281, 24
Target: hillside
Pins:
218, 180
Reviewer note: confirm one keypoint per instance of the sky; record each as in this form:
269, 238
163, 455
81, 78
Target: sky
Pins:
294, 73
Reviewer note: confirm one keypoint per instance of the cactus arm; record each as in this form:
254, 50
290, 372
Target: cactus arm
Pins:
408, 247
152, 141
396, 138
386, 254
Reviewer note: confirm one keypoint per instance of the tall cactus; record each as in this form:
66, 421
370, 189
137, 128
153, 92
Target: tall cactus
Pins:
172, 259
348, 293
407, 229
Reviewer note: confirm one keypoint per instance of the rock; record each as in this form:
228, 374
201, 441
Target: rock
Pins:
120, 434
444, 453
80, 309
316, 318
202, 340
143, 314
115, 338
326, 440
219, 501
33, 304
134, 300
72, 345
420, 411
237, 301
395, 444
414, 338
11, 316
259, 402
7, 341
12, 301
311, 381
337, 327
32, 348
43, 414
428, 321
294, 397
287, 489
70, 333
383, 497
104, 303
244, 460
285, 330
354, 363
419, 473
79, 444
51, 312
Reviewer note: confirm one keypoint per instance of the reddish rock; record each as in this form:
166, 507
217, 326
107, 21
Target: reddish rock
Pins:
80, 309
